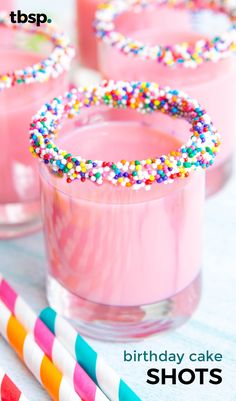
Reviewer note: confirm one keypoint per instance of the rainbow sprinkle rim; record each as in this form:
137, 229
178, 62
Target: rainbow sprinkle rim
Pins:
54, 65
185, 54
198, 153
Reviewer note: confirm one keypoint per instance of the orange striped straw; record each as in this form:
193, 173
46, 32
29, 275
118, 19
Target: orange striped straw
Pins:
34, 358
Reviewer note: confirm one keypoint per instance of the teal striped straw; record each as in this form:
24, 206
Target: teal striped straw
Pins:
99, 371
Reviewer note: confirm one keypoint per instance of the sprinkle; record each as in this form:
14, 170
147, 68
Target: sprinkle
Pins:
198, 153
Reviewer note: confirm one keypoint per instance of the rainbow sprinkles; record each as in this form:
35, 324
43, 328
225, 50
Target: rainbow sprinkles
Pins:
198, 153
185, 54
51, 67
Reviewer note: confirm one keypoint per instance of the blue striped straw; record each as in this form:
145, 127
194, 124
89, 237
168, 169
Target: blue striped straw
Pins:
99, 371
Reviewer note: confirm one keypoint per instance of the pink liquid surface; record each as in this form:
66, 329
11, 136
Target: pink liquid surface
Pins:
19, 180
212, 84
87, 41
117, 246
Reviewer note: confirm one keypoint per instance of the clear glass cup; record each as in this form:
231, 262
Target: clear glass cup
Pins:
212, 84
123, 264
19, 190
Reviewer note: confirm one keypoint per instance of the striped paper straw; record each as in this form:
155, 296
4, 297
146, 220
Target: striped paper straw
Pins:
34, 358
102, 374
8, 390
56, 352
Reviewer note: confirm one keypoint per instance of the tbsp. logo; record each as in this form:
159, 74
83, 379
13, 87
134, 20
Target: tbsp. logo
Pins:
22, 18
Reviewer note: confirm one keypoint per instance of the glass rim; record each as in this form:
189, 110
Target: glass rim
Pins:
181, 54
197, 153
52, 66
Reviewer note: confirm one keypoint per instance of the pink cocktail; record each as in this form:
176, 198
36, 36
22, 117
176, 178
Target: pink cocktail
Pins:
86, 39
110, 253
123, 190
88, 46
212, 84
19, 190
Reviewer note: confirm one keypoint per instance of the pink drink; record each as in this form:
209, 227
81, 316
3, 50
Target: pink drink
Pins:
19, 190
116, 255
88, 46
212, 84
87, 41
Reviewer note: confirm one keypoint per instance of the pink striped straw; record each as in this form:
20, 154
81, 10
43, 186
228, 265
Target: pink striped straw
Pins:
8, 390
34, 358
73, 372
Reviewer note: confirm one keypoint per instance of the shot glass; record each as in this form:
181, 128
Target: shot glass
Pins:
21, 94
123, 239
211, 81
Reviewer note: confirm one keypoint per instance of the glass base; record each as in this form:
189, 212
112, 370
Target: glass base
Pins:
18, 219
116, 324
217, 177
